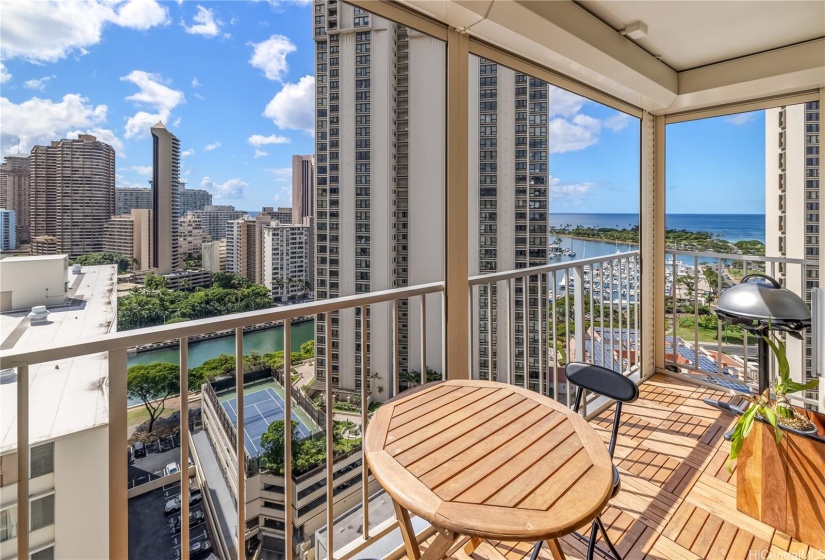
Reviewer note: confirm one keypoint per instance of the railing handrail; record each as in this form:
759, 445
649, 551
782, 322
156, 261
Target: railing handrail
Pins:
545, 268
750, 258
161, 333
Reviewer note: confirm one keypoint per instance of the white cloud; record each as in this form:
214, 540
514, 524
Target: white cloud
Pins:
104, 135
292, 107
572, 192
563, 103
283, 197
187, 153
122, 183
260, 153
570, 135
155, 94
258, 140
38, 84
282, 174
49, 31
195, 82
4, 74
199, 96
617, 122
204, 23
233, 188
740, 119
212, 146
43, 120
145, 170
270, 56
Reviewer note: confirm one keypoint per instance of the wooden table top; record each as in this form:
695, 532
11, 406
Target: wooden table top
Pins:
490, 460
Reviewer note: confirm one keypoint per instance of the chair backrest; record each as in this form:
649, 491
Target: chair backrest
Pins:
605, 382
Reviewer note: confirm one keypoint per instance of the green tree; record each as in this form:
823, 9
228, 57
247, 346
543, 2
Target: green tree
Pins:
229, 280
274, 445
154, 282
308, 349
123, 262
153, 384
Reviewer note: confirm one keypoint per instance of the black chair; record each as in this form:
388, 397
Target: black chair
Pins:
615, 386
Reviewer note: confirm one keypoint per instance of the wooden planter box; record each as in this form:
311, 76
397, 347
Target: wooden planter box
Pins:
784, 485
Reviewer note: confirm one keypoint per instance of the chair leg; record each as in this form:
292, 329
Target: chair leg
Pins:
536, 550
591, 546
615, 552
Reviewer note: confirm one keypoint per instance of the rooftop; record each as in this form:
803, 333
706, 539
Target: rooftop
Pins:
32, 258
70, 394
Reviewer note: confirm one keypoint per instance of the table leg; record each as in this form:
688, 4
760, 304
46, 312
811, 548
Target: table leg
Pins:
407, 531
555, 549
441, 545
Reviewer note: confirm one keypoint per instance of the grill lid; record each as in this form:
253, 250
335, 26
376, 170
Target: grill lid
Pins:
759, 301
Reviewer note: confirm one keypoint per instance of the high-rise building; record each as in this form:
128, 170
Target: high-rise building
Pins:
72, 189
15, 195
282, 215
193, 199
213, 256
380, 176
191, 235
165, 200
130, 235
508, 213
286, 260
792, 144
215, 218
242, 248
303, 188
129, 198
8, 227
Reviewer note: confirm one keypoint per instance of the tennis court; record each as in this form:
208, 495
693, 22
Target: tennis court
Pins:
261, 408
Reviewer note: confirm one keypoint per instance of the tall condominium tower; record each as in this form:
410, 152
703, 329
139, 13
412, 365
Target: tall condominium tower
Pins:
72, 189
242, 248
165, 199
131, 198
15, 195
215, 218
285, 257
508, 214
380, 176
303, 188
8, 223
129, 235
193, 199
792, 143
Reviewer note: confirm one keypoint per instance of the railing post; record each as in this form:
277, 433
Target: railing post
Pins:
239, 446
118, 468
457, 227
365, 492
23, 464
288, 437
184, 448
578, 311
328, 426
423, 303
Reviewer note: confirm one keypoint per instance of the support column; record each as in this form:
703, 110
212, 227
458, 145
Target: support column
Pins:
23, 461
118, 468
457, 216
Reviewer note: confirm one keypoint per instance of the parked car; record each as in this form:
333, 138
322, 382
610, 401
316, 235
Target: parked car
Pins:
171, 468
139, 449
198, 549
195, 518
173, 505
130, 455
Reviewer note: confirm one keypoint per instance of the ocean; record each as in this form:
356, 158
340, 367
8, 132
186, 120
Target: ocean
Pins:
732, 227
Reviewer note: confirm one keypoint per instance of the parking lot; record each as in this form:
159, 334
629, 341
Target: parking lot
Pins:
150, 467
151, 535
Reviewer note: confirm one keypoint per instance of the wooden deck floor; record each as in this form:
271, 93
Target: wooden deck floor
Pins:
678, 500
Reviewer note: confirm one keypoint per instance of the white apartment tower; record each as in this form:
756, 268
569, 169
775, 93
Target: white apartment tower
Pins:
15, 195
286, 259
72, 190
129, 198
130, 235
508, 215
215, 218
303, 188
242, 248
792, 144
165, 200
380, 176
191, 235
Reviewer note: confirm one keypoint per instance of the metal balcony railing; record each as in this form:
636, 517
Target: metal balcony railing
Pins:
702, 348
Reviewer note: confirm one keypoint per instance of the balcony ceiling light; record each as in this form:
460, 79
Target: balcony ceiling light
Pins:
636, 30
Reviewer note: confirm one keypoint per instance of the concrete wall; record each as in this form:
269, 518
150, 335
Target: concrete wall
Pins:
81, 476
34, 281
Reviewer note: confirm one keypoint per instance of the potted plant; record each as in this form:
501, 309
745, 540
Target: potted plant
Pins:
777, 412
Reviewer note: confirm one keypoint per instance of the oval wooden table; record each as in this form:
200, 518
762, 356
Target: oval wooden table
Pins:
489, 461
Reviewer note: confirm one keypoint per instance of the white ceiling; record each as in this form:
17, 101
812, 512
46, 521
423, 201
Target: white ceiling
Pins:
689, 34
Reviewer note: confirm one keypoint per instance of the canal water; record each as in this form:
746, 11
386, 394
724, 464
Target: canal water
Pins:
263, 342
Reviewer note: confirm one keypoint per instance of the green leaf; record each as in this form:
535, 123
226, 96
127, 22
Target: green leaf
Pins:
778, 348
794, 387
770, 416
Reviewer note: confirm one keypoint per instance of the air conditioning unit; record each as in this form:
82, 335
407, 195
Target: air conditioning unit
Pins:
304, 546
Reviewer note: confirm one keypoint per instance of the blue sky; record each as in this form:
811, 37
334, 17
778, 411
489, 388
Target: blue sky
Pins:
234, 81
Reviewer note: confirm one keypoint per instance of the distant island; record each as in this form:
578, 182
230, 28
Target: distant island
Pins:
701, 241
